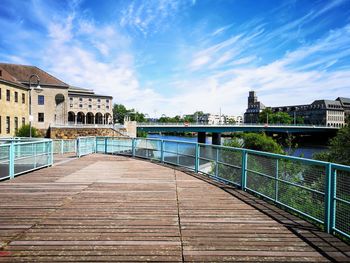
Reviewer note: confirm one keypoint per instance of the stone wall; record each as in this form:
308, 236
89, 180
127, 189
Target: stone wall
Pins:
72, 133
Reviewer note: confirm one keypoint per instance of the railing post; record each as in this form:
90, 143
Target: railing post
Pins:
329, 199
51, 152
133, 147
162, 151
276, 181
177, 154
244, 170
62, 147
106, 140
217, 163
78, 147
196, 165
12, 160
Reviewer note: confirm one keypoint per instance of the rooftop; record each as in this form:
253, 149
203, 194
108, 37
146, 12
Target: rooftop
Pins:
21, 74
114, 208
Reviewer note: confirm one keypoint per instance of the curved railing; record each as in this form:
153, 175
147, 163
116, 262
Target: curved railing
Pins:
314, 189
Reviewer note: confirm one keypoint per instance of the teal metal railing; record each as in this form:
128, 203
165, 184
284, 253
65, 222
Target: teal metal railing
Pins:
314, 189
21, 155
64, 146
86, 145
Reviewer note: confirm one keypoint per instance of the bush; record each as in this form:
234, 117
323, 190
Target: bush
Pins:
261, 142
339, 150
24, 131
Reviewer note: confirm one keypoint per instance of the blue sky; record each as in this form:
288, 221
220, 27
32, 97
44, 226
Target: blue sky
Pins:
176, 57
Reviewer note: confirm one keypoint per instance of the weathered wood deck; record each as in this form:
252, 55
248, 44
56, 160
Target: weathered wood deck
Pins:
108, 208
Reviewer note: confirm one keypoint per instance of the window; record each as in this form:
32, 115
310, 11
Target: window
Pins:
107, 101
80, 99
8, 95
16, 123
90, 99
107, 107
23, 121
40, 117
71, 99
8, 126
98, 106
23, 98
98, 100
41, 100
16, 96
71, 105
80, 105
90, 106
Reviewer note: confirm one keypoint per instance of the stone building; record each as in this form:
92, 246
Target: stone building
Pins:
57, 103
86, 107
254, 108
345, 103
320, 112
48, 105
13, 104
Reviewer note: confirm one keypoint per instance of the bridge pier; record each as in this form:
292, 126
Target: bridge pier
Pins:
201, 138
216, 138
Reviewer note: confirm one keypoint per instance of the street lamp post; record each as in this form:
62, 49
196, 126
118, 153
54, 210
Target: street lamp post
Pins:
30, 100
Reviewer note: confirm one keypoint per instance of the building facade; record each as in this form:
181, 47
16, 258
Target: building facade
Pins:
345, 103
13, 104
329, 113
254, 108
86, 107
55, 102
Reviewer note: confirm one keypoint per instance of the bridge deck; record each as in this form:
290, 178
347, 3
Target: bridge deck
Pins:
108, 208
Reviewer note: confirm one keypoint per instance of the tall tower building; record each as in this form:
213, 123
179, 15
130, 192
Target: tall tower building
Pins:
254, 108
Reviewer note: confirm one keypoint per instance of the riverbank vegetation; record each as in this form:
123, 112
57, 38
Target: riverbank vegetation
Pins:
339, 148
120, 112
255, 141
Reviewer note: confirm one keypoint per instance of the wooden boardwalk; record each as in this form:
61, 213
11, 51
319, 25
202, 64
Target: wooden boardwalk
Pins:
108, 209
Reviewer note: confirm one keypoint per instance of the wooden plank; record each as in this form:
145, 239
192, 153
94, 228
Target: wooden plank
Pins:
109, 208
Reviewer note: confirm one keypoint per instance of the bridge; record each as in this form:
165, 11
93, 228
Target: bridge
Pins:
216, 130
158, 200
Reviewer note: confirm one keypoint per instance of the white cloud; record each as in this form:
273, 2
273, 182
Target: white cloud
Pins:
151, 15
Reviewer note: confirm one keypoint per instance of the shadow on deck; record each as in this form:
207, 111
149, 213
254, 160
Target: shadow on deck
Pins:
111, 208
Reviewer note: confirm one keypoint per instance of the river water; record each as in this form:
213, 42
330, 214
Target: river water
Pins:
305, 151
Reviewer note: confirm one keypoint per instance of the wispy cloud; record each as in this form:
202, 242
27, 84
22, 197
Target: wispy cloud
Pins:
168, 57
151, 16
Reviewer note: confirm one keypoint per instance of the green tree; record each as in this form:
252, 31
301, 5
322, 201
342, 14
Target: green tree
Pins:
119, 112
280, 118
189, 119
339, 150
261, 142
265, 115
24, 131
299, 120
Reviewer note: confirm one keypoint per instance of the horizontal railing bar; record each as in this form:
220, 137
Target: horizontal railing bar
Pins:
342, 200
287, 182
341, 232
